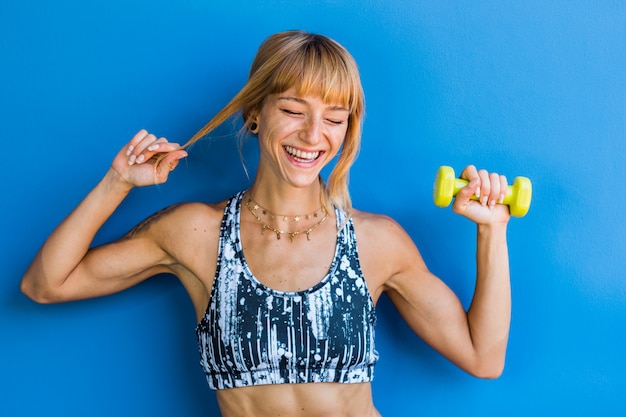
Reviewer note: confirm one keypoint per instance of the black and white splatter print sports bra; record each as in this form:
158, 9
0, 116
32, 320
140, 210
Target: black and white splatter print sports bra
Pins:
254, 335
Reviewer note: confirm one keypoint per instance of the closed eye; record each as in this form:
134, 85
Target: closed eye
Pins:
336, 122
291, 112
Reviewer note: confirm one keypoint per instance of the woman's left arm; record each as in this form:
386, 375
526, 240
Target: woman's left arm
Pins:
489, 314
475, 339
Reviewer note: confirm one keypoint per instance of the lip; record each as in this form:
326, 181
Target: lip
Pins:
302, 156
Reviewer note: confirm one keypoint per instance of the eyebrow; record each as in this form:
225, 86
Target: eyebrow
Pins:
303, 101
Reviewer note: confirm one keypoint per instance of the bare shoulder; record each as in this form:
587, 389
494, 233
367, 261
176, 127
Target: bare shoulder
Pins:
179, 215
188, 233
372, 228
381, 237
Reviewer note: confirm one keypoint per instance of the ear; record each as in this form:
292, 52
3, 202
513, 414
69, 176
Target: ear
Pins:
253, 127
252, 123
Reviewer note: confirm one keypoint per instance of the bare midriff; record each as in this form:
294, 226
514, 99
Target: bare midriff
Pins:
302, 400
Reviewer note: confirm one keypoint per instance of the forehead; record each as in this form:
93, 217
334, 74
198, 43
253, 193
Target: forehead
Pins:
292, 96
308, 79
327, 92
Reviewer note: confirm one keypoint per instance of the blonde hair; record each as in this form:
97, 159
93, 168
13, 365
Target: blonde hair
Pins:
312, 64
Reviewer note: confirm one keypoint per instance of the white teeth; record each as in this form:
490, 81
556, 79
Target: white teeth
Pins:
304, 156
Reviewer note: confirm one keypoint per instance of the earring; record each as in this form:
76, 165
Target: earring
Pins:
253, 128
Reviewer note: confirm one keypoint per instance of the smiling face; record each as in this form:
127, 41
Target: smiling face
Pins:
326, 78
298, 136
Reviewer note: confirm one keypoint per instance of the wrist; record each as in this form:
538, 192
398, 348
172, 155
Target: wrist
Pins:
492, 229
114, 182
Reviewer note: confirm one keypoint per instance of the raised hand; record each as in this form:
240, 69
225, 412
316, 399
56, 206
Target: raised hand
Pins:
146, 160
489, 189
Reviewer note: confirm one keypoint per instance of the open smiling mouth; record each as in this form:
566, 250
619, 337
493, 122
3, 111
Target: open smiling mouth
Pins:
301, 156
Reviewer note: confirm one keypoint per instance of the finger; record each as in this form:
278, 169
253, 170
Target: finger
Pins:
138, 144
473, 187
485, 187
151, 146
136, 155
135, 140
162, 146
469, 173
494, 194
504, 185
158, 151
168, 164
156, 144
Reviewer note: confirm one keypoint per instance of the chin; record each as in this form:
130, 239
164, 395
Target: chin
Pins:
303, 181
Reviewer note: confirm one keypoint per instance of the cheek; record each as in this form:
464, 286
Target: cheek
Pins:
338, 143
267, 135
275, 129
338, 137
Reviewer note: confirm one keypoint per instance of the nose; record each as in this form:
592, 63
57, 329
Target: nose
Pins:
312, 131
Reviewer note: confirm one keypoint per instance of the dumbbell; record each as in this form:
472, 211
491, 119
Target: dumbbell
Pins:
517, 196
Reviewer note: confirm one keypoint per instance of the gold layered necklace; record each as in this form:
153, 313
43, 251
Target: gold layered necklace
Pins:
255, 207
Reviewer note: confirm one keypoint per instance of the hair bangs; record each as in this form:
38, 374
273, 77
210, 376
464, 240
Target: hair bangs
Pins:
320, 70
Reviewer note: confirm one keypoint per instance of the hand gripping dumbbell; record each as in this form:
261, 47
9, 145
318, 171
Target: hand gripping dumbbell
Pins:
517, 196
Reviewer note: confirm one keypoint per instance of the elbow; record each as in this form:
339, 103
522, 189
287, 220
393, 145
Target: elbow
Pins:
488, 363
491, 369
37, 293
490, 374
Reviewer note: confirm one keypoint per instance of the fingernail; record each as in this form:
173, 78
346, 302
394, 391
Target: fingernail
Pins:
140, 159
501, 199
153, 147
129, 150
483, 200
132, 159
492, 203
477, 192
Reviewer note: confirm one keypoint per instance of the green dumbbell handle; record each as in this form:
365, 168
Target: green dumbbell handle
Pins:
517, 197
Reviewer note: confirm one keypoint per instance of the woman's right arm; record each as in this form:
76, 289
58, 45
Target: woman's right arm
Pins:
65, 268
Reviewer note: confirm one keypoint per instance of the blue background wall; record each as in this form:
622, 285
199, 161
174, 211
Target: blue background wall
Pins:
529, 88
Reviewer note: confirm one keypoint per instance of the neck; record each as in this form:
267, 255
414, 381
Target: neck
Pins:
285, 199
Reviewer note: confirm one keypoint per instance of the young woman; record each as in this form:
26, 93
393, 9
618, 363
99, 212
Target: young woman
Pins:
285, 276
